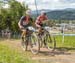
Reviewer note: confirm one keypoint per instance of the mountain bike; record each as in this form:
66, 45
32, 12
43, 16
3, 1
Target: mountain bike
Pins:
46, 39
31, 39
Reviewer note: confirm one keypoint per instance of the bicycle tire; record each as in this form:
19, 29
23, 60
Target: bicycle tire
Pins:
50, 41
24, 43
35, 45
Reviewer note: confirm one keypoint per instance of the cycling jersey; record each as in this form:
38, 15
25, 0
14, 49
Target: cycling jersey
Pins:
40, 19
25, 20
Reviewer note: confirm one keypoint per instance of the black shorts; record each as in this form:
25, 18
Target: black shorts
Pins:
40, 24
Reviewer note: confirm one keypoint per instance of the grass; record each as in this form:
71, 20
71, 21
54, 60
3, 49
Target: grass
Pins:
69, 41
8, 55
12, 56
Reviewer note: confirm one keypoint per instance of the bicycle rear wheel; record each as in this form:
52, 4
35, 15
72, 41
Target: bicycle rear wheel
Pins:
35, 45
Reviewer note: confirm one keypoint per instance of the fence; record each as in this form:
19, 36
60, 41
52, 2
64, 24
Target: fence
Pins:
10, 35
64, 35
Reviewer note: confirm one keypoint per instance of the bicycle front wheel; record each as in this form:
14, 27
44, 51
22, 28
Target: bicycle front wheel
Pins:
35, 45
24, 43
50, 42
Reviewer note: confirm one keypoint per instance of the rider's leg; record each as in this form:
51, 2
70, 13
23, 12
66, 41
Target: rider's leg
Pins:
24, 33
40, 28
23, 36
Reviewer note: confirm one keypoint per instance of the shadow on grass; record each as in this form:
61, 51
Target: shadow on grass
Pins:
65, 48
58, 51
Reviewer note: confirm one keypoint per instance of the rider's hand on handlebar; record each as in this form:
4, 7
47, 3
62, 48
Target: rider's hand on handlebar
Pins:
21, 27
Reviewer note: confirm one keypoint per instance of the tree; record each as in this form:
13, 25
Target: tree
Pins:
9, 17
16, 11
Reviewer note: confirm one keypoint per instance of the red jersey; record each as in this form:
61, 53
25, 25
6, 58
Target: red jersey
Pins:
41, 18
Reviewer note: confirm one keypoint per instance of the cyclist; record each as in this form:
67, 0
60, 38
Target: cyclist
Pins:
24, 23
40, 19
40, 22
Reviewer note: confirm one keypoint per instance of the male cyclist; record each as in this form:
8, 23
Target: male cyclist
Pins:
40, 20
24, 23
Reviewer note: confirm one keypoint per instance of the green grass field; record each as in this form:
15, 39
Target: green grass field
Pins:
8, 55
69, 41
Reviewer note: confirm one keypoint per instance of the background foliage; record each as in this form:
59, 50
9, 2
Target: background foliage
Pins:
9, 17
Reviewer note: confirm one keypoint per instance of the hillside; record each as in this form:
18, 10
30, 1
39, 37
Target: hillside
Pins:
66, 14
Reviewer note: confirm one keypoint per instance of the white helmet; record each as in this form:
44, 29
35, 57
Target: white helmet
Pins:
28, 12
43, 12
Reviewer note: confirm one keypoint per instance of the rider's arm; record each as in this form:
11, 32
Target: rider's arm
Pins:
20, 22
37, 22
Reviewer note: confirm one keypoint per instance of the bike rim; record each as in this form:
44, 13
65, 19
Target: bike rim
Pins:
34, 44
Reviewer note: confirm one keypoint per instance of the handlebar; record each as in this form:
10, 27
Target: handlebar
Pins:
47, 28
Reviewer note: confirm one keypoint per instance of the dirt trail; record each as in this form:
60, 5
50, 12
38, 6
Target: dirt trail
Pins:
45, 56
